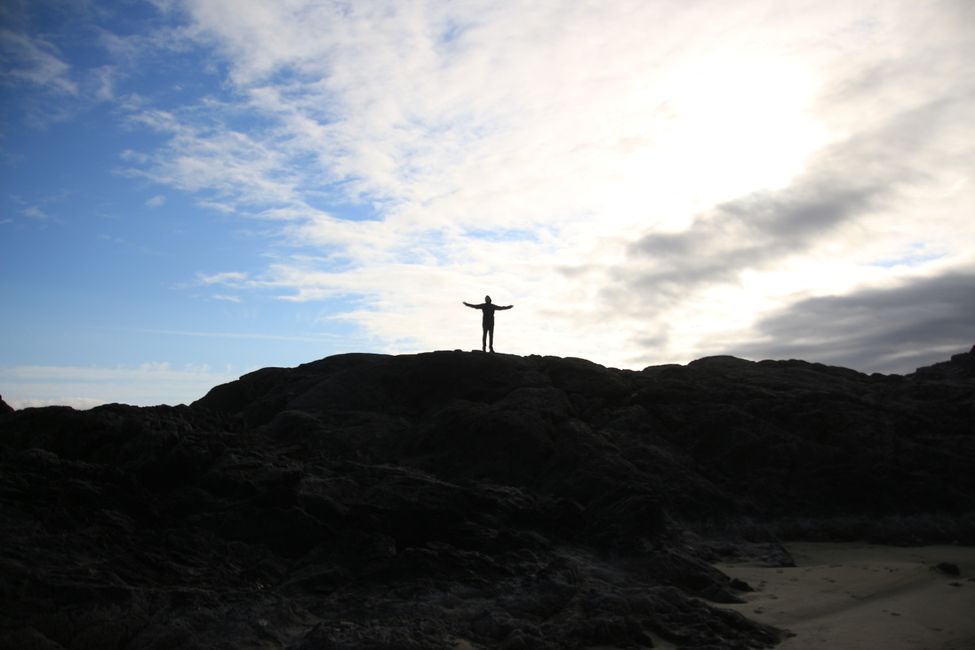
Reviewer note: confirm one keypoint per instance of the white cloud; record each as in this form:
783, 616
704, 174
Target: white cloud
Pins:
156, 201
229, 278
104, 80
527, 149
36, 213
36, 61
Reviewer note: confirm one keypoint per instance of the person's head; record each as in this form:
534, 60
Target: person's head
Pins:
487, 299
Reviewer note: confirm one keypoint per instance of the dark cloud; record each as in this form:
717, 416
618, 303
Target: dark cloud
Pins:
907, 128
844, 182
877, 330
749, 233
903, 121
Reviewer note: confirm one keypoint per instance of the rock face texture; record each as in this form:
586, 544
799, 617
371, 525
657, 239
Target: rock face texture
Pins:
464, 500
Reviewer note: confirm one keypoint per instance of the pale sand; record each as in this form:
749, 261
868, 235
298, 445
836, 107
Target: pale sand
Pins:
861, 596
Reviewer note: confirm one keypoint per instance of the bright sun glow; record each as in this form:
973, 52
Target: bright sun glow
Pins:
744, 125
724, 127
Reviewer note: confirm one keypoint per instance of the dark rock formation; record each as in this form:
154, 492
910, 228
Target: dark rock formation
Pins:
948, 568
960, 366
433, 500
4, 407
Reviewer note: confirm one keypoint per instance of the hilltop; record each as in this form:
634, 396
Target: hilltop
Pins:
453, 499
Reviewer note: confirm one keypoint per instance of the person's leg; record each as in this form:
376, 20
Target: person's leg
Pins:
484, 340
491, 337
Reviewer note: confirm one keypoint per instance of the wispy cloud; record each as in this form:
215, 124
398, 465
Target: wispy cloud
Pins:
35, 213
228, 278
156, 201
642, 180
220, 164
36, 61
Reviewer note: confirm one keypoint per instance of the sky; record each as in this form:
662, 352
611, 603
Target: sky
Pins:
194, 189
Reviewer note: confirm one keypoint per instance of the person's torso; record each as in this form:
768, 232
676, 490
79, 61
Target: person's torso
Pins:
488, 311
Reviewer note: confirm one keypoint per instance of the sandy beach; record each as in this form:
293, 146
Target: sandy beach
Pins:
856, 596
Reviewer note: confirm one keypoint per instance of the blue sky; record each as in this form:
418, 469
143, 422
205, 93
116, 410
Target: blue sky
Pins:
195, 189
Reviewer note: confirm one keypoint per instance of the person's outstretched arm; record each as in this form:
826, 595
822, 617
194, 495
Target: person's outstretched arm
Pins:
508, 307
470, 305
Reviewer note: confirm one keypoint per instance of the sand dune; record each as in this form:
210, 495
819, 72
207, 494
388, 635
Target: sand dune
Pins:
856, 596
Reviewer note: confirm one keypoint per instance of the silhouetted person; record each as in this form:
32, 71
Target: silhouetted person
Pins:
487, 321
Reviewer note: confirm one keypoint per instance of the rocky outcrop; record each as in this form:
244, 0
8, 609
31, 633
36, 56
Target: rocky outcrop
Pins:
959, 367
444, 499
5, 408
719, 436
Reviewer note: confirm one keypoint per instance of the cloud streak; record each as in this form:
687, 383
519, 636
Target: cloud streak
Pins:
36, 61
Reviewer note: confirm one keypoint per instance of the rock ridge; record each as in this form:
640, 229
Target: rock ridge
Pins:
449, 498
